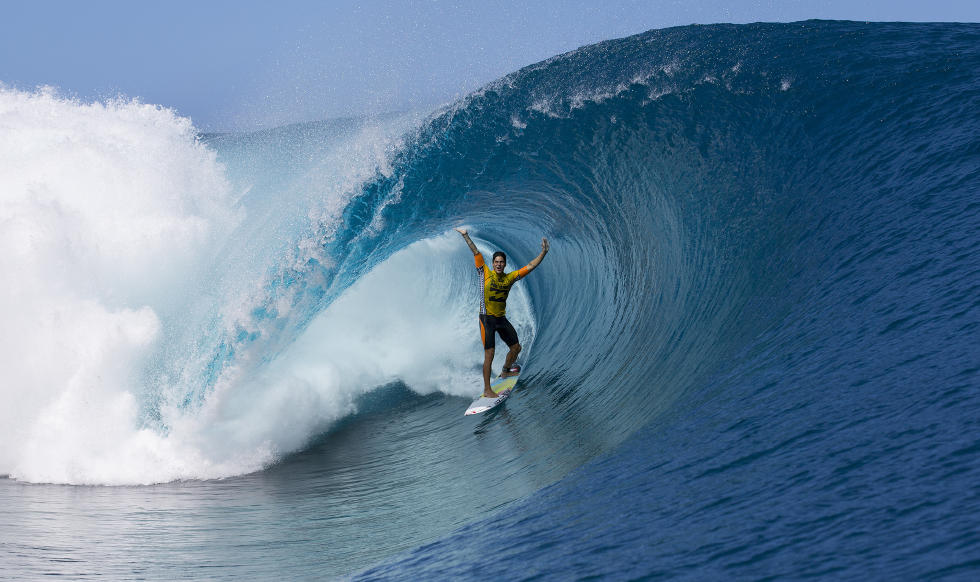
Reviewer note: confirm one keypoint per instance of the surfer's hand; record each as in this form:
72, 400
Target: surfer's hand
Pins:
461, 231
544, 245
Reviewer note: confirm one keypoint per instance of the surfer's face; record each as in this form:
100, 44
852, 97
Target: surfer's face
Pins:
498, 265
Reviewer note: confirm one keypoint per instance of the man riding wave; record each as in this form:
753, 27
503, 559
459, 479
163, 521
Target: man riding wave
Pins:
493, 307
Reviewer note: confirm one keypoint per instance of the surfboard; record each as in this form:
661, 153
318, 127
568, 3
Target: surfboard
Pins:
501, 387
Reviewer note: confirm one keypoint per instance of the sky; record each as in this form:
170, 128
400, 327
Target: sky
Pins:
245, 65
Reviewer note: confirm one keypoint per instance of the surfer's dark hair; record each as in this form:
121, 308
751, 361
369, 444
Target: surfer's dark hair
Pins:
498, 254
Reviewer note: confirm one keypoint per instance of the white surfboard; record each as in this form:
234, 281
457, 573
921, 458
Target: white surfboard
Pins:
501, 387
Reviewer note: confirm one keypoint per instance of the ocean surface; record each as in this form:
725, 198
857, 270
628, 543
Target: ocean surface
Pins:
752, 353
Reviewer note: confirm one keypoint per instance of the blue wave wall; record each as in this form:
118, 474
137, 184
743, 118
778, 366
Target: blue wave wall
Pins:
700, 183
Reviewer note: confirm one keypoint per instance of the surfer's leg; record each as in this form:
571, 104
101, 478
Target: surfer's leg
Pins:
511, 358
509, 335
487, 364
487, 335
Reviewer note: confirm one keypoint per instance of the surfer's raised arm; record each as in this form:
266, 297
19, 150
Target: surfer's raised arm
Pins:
466, 237
537, 260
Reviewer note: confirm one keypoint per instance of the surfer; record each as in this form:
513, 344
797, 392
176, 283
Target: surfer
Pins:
493, 307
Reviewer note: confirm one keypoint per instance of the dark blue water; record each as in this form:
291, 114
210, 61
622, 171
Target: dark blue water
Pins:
752, 352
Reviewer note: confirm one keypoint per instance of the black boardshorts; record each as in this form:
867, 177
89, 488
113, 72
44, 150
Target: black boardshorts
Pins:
489, 325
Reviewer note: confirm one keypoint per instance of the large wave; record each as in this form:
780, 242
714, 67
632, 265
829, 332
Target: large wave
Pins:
191, 307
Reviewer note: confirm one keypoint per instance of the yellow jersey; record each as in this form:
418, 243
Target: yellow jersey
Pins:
493, 300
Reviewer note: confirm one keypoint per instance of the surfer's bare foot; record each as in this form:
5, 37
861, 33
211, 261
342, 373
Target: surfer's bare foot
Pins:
508, 372
489, 394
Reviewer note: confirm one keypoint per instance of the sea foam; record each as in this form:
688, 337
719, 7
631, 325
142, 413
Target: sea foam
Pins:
105, 210
148, 335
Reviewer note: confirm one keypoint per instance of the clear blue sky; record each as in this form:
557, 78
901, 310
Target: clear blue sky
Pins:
248, 64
